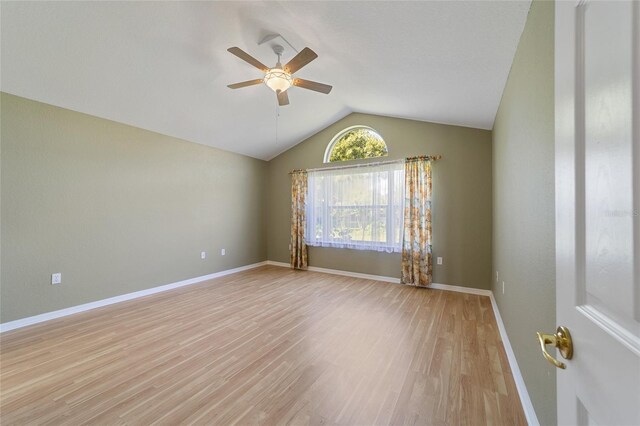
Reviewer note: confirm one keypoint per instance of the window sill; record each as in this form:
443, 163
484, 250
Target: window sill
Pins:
356, 246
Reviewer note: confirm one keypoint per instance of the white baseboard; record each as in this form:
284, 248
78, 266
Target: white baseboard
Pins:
529, 412
281, 264
339, 272
386, 279
23, 322
527, 406
460, 289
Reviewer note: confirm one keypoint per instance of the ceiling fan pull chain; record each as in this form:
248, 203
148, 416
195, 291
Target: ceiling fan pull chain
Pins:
277, 115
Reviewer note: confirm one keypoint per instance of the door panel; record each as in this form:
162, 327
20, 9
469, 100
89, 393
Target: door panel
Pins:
607, 290
597, 214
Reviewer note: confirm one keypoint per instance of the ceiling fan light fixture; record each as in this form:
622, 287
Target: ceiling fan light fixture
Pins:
278, 80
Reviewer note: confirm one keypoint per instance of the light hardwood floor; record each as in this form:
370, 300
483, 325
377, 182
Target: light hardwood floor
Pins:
265, 346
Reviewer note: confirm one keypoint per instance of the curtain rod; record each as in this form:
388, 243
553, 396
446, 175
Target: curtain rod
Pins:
377, 163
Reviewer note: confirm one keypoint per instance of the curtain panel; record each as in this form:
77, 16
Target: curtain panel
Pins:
298, 253
416, 244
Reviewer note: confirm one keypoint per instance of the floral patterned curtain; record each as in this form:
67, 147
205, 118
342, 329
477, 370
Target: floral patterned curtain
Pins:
416, 244
298, 252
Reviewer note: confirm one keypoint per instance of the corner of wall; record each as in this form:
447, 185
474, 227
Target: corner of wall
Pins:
524, 205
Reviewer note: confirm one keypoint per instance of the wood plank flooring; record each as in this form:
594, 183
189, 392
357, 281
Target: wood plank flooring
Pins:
265, 346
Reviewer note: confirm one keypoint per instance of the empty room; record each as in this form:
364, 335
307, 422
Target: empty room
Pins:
327, 212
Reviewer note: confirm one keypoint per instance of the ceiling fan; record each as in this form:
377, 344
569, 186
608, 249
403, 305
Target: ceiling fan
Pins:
280, 78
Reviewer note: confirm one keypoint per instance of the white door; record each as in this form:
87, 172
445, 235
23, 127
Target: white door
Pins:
598, 209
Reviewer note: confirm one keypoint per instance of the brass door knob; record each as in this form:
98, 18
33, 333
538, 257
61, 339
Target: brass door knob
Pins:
561, 340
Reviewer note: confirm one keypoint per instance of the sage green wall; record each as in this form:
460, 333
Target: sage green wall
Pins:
524, 208
115, 209
461, 198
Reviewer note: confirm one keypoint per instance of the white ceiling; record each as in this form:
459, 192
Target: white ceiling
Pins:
163, 66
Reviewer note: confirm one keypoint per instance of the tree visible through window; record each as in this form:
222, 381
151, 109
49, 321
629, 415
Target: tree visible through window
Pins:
356, 143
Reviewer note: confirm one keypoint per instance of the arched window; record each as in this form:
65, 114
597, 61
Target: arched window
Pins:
354, 143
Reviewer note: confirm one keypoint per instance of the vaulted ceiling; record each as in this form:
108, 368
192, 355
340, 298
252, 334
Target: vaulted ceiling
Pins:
163, 66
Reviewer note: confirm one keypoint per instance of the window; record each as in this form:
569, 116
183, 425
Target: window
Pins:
355, 143
358, 208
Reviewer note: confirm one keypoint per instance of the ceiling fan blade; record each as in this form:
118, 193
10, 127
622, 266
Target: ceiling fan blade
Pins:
312, 85
300, 60
248, 58
244, 84
283, 98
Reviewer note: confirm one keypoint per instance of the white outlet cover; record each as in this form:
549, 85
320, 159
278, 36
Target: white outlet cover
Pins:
56, 278
223, 252
203, 255
439, 260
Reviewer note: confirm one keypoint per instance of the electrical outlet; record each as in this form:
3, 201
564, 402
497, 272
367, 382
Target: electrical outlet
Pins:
56, 278
289, 247
203, 255
497, 277
439, 260
502, 287
223, 252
